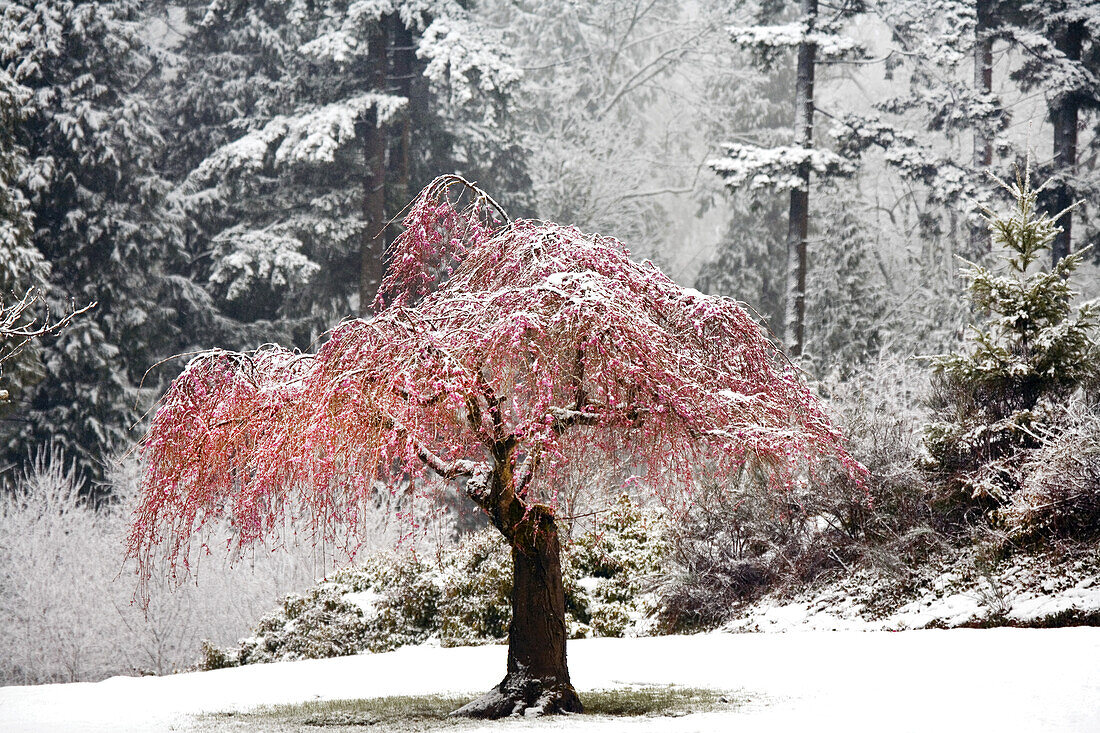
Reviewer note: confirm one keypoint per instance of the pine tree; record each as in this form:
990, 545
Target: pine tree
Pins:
21, 265
90, 144
1031, 351
1059, 42
303, 129
751, 105
944, 132
846, 314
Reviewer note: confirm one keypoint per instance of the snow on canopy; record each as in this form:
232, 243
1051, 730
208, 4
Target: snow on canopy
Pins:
246, 257
311, 136
777, 168
462, 55
767, 39
527, 339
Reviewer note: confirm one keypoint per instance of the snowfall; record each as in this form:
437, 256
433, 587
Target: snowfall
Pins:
1001, 679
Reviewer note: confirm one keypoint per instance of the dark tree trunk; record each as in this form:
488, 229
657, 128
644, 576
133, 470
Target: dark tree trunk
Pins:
983, 85
537, 679
794, 325
1064, 117
403, 55
372, 252
983, 79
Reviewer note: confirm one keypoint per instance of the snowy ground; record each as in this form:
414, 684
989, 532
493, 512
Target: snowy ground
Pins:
957, 680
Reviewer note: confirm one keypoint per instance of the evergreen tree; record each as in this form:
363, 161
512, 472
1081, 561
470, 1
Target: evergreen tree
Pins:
1032, 350
944, 132
1059, 42
90, 144
303, 129
752, 106
21, 265
846, 313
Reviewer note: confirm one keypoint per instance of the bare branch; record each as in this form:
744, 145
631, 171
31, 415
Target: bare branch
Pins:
14, 326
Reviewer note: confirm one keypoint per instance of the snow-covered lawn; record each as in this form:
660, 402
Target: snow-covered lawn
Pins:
958, 680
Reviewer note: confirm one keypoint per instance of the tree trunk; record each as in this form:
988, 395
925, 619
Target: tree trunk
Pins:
983, 85
537, 679
798, 223
403, 55
1064, 117
372, 252
983, 80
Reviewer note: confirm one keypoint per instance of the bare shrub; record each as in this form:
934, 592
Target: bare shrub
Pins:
737, 541
888, 522
722, 551
65, 606
1059, 498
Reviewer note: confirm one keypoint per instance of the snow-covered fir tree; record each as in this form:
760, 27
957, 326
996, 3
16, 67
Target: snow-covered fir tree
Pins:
814, 36
948, 49
1059, 46
943, 132
90, 143
304, 128
752, 105
21, 264
1030, 350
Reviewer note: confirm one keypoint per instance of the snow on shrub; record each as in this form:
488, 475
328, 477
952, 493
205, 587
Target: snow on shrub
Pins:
1060, 494
462, 596
65, 611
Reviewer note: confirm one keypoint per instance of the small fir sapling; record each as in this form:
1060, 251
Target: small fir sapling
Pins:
1032, 349
499, 348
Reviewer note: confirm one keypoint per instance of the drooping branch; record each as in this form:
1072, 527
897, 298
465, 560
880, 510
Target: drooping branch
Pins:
446, 181
536, 343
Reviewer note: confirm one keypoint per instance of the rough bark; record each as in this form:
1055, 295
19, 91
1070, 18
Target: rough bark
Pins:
798, 221
372, 251
1064, 117
537, 677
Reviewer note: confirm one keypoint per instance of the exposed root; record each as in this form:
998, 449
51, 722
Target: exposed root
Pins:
523, 696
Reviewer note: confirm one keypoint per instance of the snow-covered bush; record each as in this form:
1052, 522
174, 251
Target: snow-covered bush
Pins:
615, 568
462, 595
65, 596
1060, 494
477, 596
319, 625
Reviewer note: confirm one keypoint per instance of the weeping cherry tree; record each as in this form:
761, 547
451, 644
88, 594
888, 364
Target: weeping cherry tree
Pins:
498, 349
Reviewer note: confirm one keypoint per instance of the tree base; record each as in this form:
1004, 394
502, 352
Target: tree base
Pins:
526, 696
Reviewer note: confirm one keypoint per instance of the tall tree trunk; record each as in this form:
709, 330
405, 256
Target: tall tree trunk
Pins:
402, 53
537, 678
983, 86
372, 251
1064, 117
798, 223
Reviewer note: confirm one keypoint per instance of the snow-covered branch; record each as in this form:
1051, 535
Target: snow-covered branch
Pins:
754, 167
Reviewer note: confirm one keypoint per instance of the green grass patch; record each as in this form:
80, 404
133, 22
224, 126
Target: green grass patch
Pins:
432, 712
